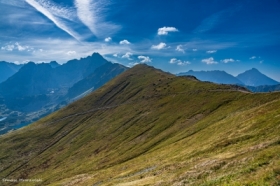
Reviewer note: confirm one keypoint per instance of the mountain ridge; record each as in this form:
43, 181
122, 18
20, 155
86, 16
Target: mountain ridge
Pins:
147, 127
39, 89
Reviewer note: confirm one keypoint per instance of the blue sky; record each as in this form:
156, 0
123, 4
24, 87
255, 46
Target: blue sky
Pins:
175, 36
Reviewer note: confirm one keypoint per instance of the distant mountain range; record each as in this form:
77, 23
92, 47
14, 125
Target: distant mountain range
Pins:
215, 76
250, 78
35, 79
45, 87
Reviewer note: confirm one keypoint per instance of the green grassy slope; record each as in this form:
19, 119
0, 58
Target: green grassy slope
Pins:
147, 127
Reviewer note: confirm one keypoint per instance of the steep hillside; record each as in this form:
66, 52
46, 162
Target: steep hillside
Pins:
147, 127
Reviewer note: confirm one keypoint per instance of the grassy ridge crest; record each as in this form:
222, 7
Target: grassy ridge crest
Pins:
148, 127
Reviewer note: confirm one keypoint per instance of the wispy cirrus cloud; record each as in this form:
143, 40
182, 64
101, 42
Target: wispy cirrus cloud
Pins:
211, 51
90, 12
215, 19
68, 13
45, 9
16, 3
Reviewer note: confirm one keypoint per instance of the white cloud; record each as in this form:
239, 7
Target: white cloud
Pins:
116, 55
8, 47
59, 11
60, 24
16, 46
108, 39
15, 3
124, 42
180, 49
132, 64
159, 46
20, 47
90, 13
127, 55
54, 50
71, 53
253, 57
182, 63
228, 60
209, 61
145, 59
211, 51
173, 60
165, 30
194, 49
179, 62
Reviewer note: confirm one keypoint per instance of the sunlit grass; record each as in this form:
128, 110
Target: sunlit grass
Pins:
163, 130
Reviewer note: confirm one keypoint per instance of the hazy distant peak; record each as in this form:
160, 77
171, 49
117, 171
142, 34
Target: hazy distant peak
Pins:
254, 77
54, 64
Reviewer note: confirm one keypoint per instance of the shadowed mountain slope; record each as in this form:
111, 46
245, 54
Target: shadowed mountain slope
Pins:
148, 127
7, 70
99, 77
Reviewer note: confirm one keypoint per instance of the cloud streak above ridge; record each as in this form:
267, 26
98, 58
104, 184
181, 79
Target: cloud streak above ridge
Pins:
90, 13
54, 19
